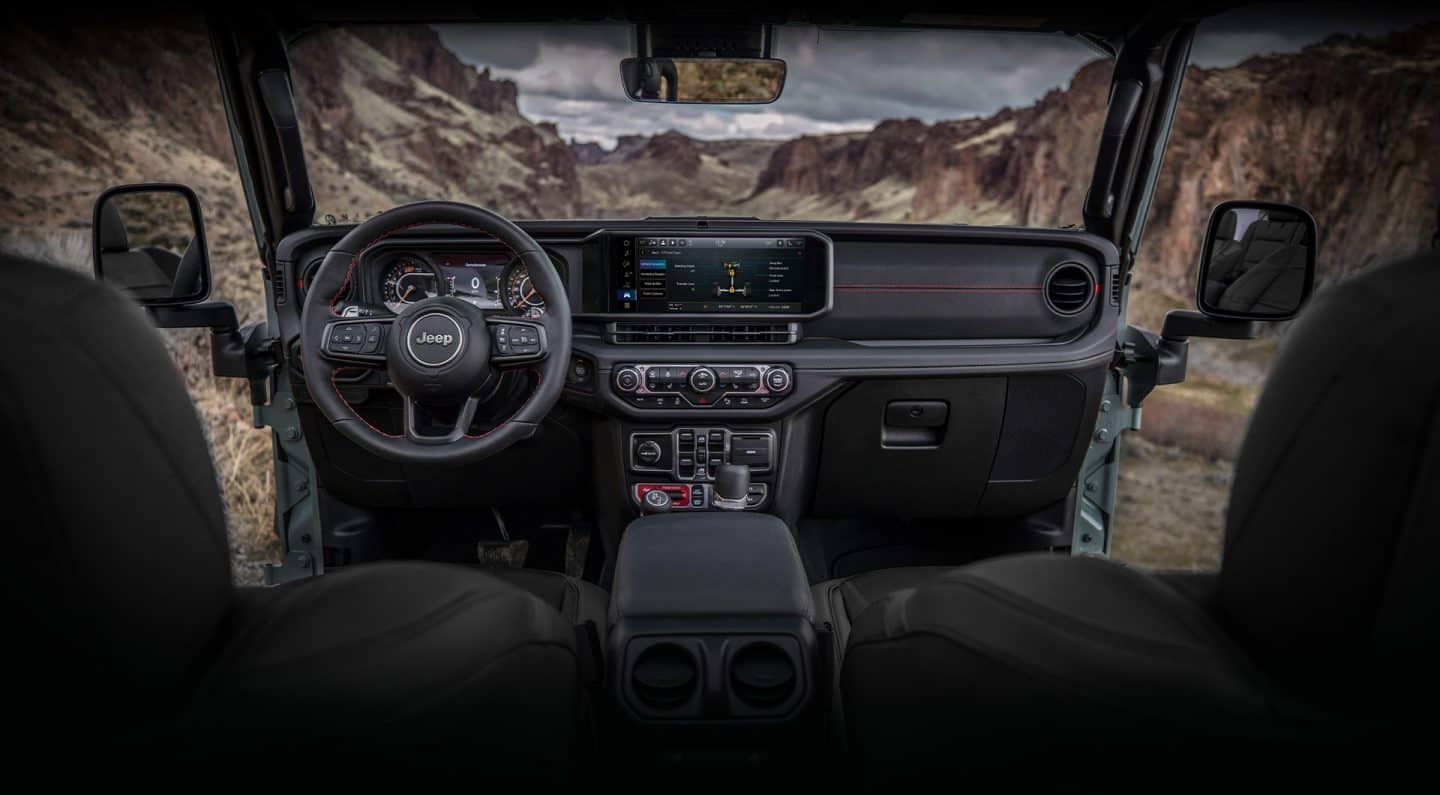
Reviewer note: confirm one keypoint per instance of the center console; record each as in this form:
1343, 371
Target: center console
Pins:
712, 622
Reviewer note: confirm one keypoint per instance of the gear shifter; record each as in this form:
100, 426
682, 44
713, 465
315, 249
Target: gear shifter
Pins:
732, 484
656, 501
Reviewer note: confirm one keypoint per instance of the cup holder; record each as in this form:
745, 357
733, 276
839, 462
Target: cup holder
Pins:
762, 674
665, 676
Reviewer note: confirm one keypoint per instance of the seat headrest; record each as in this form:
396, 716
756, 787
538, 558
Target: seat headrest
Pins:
112, 229
1226, 229
1328, 510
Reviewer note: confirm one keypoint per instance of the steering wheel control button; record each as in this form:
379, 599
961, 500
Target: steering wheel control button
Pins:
514, 339
373, 338
347, 338
435, 340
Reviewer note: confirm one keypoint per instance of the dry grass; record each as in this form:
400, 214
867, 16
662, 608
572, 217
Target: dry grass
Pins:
1170, 511
1179, 420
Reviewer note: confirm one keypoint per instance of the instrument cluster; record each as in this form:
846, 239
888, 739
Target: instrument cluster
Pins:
491, 280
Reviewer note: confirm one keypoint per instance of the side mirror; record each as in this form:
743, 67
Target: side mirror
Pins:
700, 81
149, 240
1257, 265
1258, 261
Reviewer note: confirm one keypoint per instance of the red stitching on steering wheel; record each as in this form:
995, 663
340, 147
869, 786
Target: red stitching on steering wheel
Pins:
333, 375
514, 414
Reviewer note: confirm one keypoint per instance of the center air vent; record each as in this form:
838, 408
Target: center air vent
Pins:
1069, 288
704, 333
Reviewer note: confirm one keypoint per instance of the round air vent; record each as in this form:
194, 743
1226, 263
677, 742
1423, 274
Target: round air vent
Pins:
1069, 288
665, 675
308, 276
762, 674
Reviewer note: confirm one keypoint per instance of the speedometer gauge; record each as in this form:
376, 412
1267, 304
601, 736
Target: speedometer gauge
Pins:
520, 293
407, 281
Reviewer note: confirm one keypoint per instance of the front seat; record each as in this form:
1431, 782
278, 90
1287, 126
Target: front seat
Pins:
123, 623
1321, 624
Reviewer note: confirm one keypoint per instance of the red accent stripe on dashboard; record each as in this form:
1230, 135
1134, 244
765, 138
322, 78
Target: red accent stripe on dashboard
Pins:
932, 288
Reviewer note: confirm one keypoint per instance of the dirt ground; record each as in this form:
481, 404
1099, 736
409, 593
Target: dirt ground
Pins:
1170, 512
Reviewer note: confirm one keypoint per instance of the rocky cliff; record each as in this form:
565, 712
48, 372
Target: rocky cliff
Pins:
391, 116
1016, 166
1348, 128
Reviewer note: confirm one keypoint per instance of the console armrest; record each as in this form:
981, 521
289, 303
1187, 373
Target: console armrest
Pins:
709, 565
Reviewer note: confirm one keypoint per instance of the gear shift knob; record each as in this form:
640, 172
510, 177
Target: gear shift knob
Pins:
656, 501
732, 483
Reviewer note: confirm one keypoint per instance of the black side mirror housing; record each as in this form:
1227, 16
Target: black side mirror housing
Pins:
149, 240
1257, 262
1257, 265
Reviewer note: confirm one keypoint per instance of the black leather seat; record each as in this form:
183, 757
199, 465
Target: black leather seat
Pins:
1320, 625
119, 588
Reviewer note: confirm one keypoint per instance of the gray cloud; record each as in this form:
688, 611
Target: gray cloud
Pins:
848, 79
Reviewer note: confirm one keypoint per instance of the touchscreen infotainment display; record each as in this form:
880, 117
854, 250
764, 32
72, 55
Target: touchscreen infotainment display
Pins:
718, 275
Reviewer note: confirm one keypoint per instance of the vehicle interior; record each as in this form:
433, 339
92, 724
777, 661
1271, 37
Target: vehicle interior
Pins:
599, 495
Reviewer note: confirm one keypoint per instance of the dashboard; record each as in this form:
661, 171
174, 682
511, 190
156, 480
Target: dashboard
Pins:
897, 369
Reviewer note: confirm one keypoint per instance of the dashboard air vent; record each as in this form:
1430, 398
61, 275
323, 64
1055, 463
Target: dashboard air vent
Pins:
703, 333
277, 285
1069, 288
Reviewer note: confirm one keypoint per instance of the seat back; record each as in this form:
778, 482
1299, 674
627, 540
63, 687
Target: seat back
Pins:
118, 570
1333, 530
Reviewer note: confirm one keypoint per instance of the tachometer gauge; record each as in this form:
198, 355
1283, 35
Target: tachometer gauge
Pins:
407, 281
520, 293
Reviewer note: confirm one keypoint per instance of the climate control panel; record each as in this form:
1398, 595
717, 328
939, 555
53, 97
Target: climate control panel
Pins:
685, 386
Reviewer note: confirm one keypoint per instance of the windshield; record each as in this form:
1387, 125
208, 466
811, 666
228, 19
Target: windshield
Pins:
894, 126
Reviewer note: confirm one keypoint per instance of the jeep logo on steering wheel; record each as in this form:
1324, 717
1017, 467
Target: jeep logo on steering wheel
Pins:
435, 339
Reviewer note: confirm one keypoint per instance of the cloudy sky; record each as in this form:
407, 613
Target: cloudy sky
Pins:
850, 79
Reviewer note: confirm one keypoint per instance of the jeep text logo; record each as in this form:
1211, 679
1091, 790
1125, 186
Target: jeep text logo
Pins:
435, 340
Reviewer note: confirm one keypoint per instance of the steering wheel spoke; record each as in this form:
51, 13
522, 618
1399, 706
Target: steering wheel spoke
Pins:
517, 342
357, 340
416, 414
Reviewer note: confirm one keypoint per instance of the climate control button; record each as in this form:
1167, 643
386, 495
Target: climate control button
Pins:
627, 379
777, 379
702, 379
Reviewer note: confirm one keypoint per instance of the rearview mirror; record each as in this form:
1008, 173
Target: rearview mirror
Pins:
727, 81
1258, 262
150, 241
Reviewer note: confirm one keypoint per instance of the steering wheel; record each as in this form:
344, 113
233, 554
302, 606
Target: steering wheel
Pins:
440, 352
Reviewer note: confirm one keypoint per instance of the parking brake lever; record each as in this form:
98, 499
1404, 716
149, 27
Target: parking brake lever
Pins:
732, 483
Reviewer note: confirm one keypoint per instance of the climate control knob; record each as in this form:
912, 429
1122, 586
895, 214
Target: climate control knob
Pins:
627, 379
702, 379
777, 379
